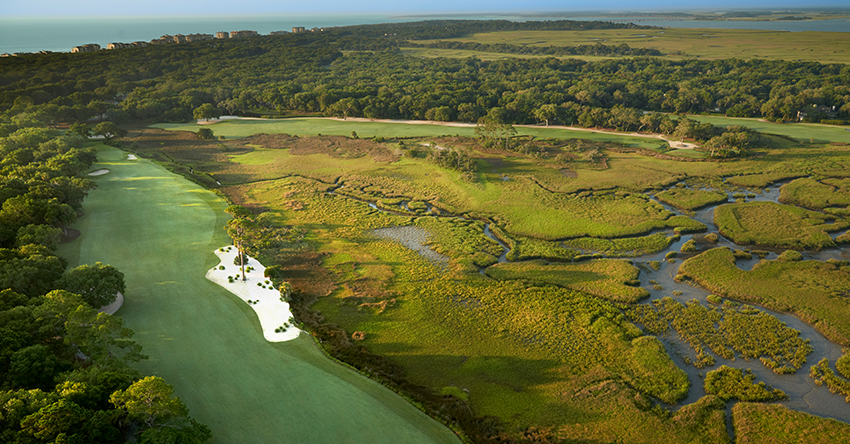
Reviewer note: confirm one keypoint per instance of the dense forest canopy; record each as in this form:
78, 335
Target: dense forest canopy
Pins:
358, 71
65, 373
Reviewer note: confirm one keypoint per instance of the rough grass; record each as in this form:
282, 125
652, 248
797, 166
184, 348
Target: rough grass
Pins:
703, 43
773, 225
761, 423
815, 291
607, 278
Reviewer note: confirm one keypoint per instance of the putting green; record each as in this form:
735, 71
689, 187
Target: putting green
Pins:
160, 230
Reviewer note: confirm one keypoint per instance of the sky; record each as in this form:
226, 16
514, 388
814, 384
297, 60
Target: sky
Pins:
123, 8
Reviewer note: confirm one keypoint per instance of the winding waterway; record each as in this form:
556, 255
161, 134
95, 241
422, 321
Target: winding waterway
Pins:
803, 394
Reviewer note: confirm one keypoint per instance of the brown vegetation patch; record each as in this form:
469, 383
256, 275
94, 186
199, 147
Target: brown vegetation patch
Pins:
181, 146
358, 335
378, 306
568, 173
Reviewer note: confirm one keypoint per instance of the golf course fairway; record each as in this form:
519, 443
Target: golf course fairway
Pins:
160, 230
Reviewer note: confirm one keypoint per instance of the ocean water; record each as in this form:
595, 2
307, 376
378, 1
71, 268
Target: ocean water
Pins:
61, 34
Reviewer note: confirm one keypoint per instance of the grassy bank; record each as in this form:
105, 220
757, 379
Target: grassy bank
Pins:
160, 231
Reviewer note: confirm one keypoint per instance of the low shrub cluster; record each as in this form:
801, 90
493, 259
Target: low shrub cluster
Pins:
733, 383
823, 374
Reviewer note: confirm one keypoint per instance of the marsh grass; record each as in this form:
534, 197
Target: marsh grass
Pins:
760, 423
725, 331
689, 199
774, 225
729, 383
606, 278
817, 194
823, 374
679, 43
815, 291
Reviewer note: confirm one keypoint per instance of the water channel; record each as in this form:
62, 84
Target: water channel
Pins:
803, 394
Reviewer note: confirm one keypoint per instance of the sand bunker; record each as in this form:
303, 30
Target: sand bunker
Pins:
99, 172
259, 295
114, 306
132, 157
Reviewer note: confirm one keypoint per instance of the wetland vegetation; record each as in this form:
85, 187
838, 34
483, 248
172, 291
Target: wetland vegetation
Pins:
514, 276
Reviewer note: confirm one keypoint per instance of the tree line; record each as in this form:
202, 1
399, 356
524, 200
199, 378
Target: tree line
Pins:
65, 372
308, 73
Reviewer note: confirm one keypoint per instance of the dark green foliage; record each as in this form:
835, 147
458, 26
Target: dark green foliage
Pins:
60, 360
554, 51
98, 284
206, 133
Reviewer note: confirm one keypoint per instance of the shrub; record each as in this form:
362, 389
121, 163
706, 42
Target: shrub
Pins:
689, 246
790, 256
205, 133
714, 299
711, 237
670, 255
221, 267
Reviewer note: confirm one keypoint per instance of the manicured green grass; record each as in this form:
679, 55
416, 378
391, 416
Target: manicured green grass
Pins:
811, 289
803, 132
773, 225
761, 423
160, 231
368, 129
822, 47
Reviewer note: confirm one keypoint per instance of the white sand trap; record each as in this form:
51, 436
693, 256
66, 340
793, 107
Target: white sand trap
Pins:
132, 157
273, 312
114, 306
99, 172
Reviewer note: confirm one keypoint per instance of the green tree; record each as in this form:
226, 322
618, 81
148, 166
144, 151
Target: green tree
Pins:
206, 112
98, 284
151, 401
205, 133
39, 235
240, 229
109, 130
546, 113
80, 129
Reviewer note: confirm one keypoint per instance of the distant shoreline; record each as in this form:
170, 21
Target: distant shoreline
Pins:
33, 34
